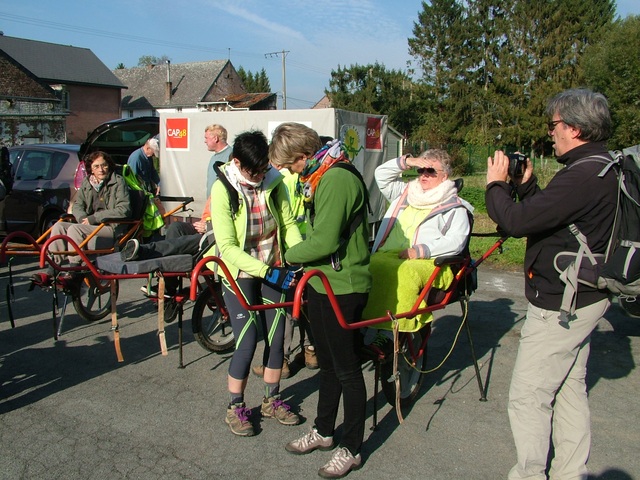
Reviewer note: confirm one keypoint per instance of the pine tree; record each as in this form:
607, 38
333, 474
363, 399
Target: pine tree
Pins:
612, 67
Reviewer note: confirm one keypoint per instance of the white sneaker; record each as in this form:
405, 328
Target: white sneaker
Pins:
152, 291
309, 442
341, 463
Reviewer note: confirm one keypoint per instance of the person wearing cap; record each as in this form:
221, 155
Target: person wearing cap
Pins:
141, 164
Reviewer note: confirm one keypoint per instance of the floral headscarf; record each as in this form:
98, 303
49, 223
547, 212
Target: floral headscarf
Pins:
317, 166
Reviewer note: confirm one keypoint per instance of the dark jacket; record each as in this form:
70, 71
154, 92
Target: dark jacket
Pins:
114, 194
574, 195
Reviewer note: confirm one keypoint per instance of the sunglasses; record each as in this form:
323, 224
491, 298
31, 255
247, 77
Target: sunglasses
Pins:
427, 171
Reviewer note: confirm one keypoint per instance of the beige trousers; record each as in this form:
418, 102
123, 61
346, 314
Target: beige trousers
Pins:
78, 232
548, 394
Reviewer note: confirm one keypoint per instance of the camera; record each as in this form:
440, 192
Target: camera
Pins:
517, 165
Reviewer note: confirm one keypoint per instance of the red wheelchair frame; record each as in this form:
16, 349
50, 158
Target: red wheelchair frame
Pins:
34, 247
414, 353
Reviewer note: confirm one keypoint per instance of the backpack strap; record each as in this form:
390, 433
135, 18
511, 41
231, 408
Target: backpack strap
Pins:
234, 197
570, 276
357, 220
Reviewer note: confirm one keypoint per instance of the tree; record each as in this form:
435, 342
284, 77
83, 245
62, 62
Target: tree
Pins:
255, 83
374, 89
612, 67
489, 66
120, 66
146, 60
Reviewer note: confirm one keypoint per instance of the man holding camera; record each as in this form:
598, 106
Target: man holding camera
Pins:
548, 394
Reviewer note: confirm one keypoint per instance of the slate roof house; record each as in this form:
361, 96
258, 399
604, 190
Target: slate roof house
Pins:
87, 93
187, 87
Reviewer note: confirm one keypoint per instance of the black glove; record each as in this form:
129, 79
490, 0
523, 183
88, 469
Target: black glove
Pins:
281, 277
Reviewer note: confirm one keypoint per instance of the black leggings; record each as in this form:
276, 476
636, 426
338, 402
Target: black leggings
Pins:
245, 325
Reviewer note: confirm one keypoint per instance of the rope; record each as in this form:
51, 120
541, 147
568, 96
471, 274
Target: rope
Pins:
396, 374
455, 341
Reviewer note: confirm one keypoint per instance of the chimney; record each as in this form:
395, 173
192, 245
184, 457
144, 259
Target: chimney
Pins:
167, 88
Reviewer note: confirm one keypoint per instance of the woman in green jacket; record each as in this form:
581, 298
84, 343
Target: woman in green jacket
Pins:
252, 224
339, 200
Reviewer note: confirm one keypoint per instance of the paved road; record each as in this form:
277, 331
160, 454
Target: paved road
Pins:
69, 410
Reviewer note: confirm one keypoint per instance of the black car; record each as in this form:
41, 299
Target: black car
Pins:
46, 176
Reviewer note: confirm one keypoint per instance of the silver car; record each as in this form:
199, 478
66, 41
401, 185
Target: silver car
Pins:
47, 176
43, 186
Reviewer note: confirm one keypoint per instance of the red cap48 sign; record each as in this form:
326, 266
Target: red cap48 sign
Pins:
177, 133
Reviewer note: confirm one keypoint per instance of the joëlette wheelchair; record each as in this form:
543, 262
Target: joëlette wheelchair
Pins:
210, 323
89, 295
402, 373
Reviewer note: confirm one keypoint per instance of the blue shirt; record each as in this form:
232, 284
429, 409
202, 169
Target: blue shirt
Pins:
143, 167
221, 156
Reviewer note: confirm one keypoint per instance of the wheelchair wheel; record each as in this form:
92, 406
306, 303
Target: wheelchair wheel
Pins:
210, 323
93, 301
410, 377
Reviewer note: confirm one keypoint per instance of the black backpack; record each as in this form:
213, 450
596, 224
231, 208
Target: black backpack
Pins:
618, 270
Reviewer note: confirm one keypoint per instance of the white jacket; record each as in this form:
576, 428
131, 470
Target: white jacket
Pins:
443, 231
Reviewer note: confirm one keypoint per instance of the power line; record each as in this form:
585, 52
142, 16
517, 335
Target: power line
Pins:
145, 40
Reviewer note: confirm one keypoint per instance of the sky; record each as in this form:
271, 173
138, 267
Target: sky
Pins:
316, 36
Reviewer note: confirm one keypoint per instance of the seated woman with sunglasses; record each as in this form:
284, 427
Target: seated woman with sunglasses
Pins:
426, 219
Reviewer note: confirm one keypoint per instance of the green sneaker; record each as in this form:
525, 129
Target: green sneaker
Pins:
276, 408
238, 420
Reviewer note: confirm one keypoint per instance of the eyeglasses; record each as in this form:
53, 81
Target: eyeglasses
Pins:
552, 125
428, 171
102, 166
259, 172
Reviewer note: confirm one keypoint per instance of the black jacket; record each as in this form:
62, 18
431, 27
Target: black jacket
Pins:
574, 195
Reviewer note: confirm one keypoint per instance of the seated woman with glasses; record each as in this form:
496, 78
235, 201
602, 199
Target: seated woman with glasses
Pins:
103, 195
426, 219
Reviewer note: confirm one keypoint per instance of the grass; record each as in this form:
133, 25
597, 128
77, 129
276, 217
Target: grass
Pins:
511, 256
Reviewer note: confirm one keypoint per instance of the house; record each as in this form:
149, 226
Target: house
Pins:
187, 87
324, 102
30, 110
88, 93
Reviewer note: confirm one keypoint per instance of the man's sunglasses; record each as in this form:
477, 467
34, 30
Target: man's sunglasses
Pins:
427, 171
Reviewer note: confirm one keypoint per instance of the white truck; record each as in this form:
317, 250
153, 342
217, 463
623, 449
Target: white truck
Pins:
184, 157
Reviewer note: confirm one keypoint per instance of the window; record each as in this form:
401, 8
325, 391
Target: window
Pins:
39, 165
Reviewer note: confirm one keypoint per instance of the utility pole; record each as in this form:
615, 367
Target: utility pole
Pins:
284, 74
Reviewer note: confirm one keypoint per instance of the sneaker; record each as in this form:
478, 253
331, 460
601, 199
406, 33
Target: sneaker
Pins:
41, 279
309, 442
152, 291
130, 250
276, 408
310, 359
341, 463
70, 280
171, 310
238, 420
258, 370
